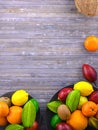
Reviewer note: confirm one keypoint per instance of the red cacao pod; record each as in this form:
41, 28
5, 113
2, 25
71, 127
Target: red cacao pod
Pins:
89, 73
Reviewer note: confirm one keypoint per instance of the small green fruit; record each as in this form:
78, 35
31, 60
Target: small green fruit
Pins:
82, 101
36, 104
55, 120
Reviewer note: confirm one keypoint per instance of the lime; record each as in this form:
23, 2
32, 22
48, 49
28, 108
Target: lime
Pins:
19, 98
82, 101
55, 120
84, 87
36, 104
53, 106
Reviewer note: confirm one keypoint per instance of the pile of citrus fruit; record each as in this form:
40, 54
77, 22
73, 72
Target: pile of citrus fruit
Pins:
19, 111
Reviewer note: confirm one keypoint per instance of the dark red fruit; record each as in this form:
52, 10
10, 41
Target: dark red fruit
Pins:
63, 93
34, 127
94, 97
63, 126
89, 73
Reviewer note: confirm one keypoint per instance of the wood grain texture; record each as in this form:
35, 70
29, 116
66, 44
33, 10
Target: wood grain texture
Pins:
41, 46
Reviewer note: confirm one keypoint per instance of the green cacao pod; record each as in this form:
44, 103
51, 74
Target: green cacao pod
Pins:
73, 99
14, 127
28, 114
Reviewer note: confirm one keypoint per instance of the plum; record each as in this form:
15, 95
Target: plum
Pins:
63, 126
63, 93
94, 97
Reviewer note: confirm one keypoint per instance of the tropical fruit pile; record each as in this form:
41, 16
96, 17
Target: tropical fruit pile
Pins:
76, 106
19, 112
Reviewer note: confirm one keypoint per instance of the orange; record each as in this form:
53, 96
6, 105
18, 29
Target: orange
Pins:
15, 115
91, 43
78, 121
3, 121
4, 109
97, 112
89, 108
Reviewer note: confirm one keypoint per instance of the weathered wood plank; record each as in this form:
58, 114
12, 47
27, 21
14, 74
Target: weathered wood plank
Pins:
35, 2
41, 47
63, 63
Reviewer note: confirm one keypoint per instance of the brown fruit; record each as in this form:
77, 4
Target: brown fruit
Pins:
63, 112
6, 100
87, 7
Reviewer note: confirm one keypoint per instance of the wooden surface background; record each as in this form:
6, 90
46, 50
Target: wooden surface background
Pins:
41, 47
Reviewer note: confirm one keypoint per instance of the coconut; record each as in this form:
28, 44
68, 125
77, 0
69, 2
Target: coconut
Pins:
87, 7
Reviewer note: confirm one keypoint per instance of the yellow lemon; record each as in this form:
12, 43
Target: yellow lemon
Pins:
84, 87
19, 98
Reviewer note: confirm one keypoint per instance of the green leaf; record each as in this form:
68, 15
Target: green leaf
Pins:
53, 106
14, 127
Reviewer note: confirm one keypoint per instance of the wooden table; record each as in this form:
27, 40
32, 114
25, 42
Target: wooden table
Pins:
41, 47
